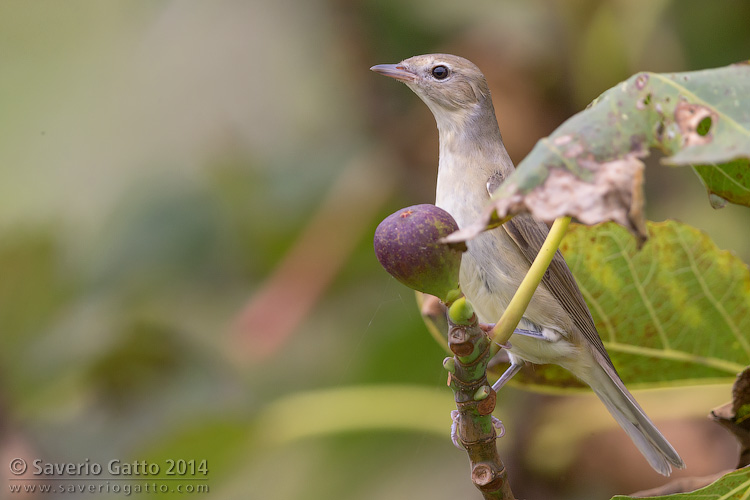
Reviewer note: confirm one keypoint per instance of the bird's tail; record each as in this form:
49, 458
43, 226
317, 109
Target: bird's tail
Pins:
660, 454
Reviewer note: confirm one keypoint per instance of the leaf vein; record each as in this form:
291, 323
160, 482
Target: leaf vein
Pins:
720, 171
675, 355
644, 297
707, 292
730, 494
592, 302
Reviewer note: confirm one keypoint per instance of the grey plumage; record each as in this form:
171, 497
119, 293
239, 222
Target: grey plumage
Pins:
472, 161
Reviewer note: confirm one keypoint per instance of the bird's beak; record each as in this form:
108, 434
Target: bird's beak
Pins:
395, 71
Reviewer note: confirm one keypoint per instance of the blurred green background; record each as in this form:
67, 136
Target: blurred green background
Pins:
188, 193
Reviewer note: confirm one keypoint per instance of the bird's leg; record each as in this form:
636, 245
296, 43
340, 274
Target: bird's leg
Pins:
529, 333
487, 327
515, 365
509, 373
514, 368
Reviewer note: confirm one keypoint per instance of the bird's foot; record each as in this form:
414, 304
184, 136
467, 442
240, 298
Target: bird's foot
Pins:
505, 345
455, 417
499, 427
455, 438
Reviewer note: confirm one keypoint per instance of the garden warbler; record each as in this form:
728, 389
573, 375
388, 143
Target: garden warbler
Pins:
473, 161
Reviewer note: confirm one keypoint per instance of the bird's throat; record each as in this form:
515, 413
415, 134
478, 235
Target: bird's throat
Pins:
471, 151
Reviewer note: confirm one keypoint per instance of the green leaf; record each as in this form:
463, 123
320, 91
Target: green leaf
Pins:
590, 167
730, 180
355, 409
732, 486
216, 446
677, 312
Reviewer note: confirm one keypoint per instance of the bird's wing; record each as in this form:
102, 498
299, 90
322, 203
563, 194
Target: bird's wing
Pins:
529, 234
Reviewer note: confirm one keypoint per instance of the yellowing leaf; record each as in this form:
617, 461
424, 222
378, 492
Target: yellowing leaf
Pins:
676, 312
732, 486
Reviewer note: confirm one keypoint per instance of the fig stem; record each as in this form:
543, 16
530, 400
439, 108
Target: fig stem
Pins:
509, 320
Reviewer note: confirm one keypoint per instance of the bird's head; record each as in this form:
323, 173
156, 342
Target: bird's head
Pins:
451, 86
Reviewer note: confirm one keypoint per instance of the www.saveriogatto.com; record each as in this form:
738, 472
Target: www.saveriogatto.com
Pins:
38, 476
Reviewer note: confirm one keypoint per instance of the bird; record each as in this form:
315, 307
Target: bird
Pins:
557, 327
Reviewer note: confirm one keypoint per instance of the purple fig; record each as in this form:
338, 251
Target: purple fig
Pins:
407, 246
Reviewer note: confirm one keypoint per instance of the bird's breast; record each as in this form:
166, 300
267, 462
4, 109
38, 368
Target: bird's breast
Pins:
493, 267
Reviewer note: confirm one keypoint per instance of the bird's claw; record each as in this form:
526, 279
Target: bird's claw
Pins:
455, 417
499, 427
456, 439
506, 345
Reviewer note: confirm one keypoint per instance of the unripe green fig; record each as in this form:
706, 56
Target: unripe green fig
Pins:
407, 246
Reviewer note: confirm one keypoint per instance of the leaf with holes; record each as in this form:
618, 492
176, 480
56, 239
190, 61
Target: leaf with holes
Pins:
590, 167
675, 312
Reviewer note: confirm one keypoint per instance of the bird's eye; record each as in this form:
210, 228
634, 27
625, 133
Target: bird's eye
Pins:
440, 72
